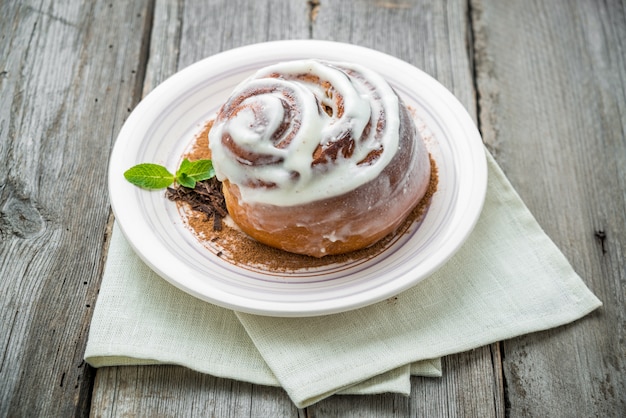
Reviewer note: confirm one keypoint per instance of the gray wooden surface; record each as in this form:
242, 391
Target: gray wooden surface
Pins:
545, 81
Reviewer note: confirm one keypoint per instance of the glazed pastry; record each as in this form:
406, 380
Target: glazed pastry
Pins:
318, 158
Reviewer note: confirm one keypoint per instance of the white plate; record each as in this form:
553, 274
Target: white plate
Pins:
165, 122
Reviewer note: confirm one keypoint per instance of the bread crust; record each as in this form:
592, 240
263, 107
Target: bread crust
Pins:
345, 223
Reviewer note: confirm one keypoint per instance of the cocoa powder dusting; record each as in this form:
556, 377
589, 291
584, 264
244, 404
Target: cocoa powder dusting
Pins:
232, 244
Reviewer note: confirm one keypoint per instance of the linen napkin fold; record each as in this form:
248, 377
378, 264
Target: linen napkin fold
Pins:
140, 319
508, 279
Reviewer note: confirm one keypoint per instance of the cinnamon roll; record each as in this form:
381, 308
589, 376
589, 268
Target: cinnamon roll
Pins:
318, 158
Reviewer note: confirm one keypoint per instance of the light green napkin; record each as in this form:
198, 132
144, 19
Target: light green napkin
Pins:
142, 319
508, 279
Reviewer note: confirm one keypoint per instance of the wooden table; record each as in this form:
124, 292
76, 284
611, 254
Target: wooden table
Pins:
545, 81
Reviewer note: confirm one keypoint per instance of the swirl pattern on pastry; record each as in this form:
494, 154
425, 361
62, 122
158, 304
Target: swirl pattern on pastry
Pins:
318, 158
298, 131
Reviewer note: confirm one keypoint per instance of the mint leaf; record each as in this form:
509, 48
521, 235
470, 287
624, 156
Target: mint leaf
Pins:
198, 170
184, 165
154, 176
149, 176
186, 181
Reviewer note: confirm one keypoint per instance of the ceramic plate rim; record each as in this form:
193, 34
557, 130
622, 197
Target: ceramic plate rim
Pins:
132, 219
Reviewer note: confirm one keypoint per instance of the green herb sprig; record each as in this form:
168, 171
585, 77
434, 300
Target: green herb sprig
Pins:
155, 176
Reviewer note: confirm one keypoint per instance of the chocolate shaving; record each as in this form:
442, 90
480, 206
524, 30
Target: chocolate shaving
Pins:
206, 197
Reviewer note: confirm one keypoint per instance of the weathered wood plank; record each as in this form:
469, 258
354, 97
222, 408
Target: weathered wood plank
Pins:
67, 81
211, 27
185, 32
176, 391
552, 103
462, 390
433, 36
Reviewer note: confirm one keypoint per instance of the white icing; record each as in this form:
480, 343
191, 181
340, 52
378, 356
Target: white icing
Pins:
252, 126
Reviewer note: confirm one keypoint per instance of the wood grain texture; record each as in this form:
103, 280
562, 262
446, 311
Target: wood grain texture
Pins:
171, 391
471, 386
67, 84
212, 27
552, 106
